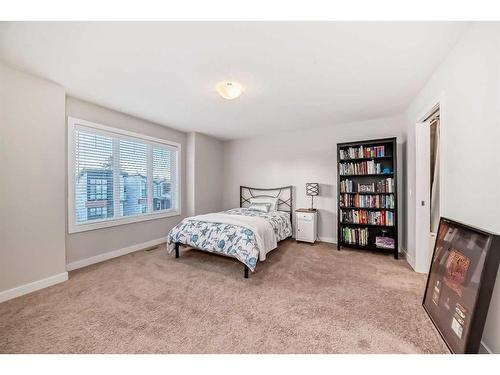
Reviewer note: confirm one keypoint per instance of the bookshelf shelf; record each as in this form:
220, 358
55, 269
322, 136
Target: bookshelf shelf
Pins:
368, 175
359, 161
366, 225
365, 159
354, 246
365, 193
366, 208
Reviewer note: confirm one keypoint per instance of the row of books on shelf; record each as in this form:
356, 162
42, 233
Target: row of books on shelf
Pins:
367, 201
360, 237
385, 185
354, 216
363, 167
362, 152
355, 236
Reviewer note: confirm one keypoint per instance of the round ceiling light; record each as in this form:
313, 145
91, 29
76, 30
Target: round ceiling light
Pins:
229, 89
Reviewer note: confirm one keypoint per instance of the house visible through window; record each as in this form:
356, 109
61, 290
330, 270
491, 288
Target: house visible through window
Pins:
119, 176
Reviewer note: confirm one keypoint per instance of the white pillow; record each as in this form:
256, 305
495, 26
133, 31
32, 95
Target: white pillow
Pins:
260, 207
272, 201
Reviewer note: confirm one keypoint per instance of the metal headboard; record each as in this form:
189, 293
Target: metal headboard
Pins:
284, 195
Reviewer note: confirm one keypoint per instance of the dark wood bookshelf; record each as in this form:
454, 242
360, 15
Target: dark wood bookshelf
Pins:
389, 161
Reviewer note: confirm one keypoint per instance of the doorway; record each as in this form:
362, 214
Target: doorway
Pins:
428, 187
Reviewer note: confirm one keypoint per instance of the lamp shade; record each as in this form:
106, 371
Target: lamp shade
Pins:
312, 188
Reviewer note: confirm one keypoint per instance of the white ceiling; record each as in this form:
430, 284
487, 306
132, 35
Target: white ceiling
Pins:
296, 74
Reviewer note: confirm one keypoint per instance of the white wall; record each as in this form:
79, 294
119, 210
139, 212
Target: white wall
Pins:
32, 187
468, 82
97, 242
300, 156
205, 174
35, 248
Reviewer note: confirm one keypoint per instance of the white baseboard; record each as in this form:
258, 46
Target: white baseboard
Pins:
484, 349
113, 254
32, 287
328, 239
409, 258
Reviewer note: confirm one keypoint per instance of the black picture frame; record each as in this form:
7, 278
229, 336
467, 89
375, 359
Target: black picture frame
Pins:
460, 283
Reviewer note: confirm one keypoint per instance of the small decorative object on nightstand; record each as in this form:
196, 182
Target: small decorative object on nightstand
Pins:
307, 225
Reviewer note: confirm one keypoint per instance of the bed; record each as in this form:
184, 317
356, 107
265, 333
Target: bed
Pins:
247, 233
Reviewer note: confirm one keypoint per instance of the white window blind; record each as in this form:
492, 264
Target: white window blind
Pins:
163, 175
133, 177
119, 177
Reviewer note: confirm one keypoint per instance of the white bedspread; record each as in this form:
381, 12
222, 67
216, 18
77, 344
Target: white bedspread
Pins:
263, 230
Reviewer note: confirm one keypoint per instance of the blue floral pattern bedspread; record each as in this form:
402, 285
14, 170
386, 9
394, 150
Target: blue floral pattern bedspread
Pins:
227, 239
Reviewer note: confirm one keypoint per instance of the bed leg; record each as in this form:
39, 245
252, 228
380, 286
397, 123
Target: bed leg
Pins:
177, 249
246, 272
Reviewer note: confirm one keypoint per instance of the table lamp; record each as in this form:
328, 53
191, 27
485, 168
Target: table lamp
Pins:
312, 189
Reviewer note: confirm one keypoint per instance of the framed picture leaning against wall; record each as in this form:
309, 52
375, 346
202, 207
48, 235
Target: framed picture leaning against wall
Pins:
461, 278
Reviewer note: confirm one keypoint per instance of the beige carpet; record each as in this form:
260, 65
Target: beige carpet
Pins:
303, 299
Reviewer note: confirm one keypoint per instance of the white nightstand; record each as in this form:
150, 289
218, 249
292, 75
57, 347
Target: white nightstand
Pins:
307, 225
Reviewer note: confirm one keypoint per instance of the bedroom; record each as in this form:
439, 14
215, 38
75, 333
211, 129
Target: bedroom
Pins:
146, 150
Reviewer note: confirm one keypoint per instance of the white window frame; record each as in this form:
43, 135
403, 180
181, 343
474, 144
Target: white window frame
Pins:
73, 226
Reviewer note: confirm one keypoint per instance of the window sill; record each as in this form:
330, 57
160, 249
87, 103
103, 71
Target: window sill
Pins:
76, 228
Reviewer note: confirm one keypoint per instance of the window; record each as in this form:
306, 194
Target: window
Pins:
96, 213
97, 189
117, 177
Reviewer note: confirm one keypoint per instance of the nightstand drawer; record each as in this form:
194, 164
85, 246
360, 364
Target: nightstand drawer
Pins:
305, 216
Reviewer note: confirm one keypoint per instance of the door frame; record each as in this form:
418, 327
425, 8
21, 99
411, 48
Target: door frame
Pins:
419, 264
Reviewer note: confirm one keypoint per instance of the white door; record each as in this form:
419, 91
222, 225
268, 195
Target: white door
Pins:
423, 253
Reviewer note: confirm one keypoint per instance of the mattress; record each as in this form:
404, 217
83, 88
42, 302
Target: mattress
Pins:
240, 233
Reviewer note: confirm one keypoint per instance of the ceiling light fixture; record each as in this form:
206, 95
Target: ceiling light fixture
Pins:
229, 89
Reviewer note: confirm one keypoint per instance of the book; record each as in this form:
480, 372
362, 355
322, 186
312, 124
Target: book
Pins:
355, 236
383, 186
367, 201
384, 242
362, 152
346, 186
360, 168
354, 216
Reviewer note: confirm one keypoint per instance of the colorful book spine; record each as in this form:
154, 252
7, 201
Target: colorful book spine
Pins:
362, 152
354, 216
384, 186
366, 201
360, 168
355, 236
346, 186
